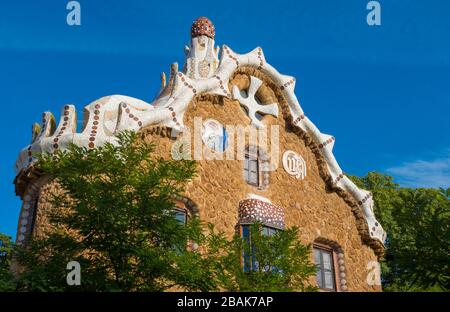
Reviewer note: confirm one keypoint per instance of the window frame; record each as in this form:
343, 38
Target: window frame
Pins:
178, 209
34, 216
326, 249
253, 157
179, 206
251, 258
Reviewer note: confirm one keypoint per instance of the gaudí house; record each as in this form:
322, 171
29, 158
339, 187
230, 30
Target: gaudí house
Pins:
260, 157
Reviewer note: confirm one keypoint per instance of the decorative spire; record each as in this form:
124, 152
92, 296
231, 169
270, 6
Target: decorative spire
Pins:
202, 58
203, 26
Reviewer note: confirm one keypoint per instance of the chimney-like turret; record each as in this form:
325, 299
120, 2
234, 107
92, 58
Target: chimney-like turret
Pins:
202, 58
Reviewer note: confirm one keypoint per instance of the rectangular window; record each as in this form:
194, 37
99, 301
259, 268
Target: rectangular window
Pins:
251, 170
247, 256
35, 208
325, 273
250, 262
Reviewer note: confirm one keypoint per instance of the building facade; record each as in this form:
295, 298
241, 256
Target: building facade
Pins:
260, 158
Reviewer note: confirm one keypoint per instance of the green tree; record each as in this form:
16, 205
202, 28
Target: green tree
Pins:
282, 262
113, 214
6, 278
417, 222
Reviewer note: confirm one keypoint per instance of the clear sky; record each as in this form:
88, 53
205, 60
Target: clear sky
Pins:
382, 91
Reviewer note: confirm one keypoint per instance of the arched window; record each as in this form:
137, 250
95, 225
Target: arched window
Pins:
323, 257
329, 259
214, 135
184, 208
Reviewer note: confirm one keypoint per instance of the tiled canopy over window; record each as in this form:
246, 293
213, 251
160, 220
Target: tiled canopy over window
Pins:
253, 210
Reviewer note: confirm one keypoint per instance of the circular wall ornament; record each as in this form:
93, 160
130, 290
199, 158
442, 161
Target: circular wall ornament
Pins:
294, 164
214, 135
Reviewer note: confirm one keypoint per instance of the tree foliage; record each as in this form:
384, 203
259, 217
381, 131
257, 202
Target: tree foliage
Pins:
113, 214
417, 222
283, 263
6, 278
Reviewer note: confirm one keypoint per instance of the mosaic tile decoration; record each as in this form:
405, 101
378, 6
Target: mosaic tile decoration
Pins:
203, 26
254, 210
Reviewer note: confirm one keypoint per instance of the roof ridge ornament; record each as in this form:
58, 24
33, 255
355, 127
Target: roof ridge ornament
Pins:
202, 58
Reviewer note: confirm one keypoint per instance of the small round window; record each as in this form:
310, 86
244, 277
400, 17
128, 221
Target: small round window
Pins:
214, 135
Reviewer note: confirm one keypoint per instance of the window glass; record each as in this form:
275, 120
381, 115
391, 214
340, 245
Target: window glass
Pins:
180, 216
326, 260
214, 135
246, 237
329, 280
251, 170
325, 273
250, 262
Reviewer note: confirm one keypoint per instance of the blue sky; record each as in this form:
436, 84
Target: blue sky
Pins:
382, 91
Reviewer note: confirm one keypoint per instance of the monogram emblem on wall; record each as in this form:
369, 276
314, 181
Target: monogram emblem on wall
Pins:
294, 164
